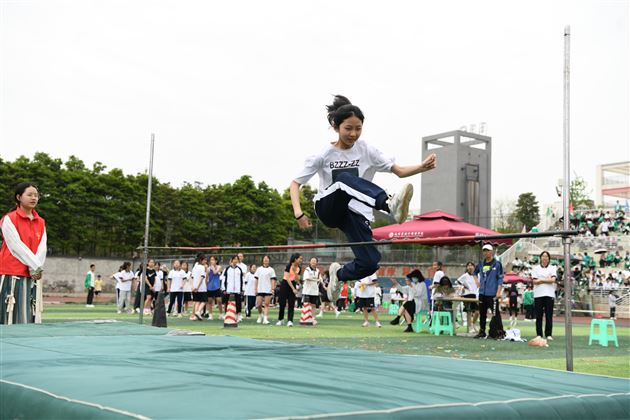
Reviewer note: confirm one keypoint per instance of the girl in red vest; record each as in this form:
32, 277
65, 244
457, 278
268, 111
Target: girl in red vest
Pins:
22, 256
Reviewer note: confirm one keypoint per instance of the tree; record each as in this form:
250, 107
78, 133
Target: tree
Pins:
579, 193
527, 211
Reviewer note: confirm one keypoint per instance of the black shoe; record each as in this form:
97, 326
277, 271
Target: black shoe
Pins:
408, 329
481, 334
395, 321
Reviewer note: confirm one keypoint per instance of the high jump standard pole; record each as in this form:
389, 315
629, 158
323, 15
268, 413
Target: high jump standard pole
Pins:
568, 287
145, 254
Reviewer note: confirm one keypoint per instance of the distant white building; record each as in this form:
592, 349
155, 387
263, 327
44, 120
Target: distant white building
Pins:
612, 182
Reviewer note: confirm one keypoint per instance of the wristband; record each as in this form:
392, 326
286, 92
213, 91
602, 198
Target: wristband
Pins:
300, 216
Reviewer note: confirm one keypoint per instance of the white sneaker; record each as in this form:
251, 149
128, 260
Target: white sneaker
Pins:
259, 320
550, 338
209, 317
319, 315
137, 310
266, 321
366, 324
334, 286
289, 324
314, 322
399, 203
279, 323
378, 324
337, 313
221, 317
239, 318
118, 312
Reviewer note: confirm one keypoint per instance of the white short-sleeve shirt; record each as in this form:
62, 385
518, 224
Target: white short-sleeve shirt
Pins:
361, 160
250, 284
468, 280
367, 287
546, 289
199, 278
438, 276
311, 288
177, 280
126, 275
264, 276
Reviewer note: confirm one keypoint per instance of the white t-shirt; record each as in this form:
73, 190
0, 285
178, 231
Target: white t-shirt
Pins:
177, 280
264, 276
361, 160
199, 278
546, 289
117, 277
125, 278
187, 281
159, 276
366, 287
470, 287
232, 279
250, 284
311, 287
438, 276
243, 268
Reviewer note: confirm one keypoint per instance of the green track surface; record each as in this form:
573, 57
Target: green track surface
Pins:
346, 332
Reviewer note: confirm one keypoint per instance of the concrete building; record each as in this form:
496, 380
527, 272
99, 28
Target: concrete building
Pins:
461, 182
612, 183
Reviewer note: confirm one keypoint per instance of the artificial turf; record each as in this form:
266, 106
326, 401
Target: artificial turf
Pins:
347, 332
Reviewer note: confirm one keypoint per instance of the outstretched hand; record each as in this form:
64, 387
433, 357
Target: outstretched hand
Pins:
304, 222
430, 162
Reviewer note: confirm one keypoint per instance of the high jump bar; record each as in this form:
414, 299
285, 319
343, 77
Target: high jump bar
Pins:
449, 240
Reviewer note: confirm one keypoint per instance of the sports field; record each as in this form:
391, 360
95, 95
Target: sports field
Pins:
347, 332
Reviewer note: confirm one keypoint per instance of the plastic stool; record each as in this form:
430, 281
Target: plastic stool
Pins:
442, 322
393, 309
602, 335
418, 324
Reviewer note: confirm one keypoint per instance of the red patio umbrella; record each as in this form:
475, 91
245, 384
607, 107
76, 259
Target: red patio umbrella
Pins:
512, 277
434, 224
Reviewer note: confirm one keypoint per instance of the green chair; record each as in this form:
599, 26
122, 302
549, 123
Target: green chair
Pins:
418, 324
602, 335
393, 309
442, 321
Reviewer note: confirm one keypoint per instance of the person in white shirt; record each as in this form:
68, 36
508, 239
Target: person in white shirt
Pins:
310, 289
347, 196
438, 274
250, 290
366, 294
199, 285
544, 279
265, 286
232, 284
125, 277
470, 290
187, 285
409, 307
176, 287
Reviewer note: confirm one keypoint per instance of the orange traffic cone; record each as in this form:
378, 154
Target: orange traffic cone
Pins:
230, 315
307, 315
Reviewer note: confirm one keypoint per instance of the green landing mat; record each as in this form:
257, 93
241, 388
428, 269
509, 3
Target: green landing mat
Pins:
83, 370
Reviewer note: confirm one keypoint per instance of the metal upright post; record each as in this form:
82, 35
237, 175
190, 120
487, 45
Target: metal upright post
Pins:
145, 254
568, 286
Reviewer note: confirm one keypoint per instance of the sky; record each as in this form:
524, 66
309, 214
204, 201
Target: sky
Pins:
234, 88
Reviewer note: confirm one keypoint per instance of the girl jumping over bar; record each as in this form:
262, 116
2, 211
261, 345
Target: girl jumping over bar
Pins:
347, 195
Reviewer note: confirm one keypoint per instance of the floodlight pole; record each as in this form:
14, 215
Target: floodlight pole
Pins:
145, 254
568, 286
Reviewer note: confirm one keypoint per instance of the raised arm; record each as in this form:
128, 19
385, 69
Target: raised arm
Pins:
404, 171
